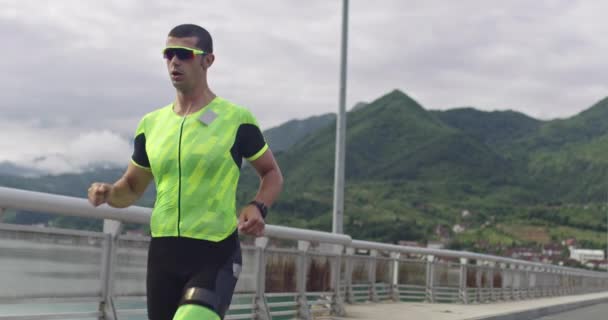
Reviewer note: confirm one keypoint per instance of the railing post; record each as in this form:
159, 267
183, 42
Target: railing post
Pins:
547, 286
521, 271
372, 275
303, 309
560, 275
534, 275
430, 278
462, 285
261, 308
478, 284
491, 266
549, 282
337, 304
554, 282
564, 283
513, 273
525, 283
112, 230
105, 304
503, 280
348, 276
395, 276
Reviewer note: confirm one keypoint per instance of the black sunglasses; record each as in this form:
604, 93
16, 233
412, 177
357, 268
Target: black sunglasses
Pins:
182, 53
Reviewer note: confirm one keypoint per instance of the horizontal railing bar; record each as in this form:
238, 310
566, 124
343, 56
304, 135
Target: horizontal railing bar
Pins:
49, 230
48, 316
465, 254
318, 293
239, 316
56, 297
281, 294
283, 313
282, 304
72, 206
241, 306
130, 312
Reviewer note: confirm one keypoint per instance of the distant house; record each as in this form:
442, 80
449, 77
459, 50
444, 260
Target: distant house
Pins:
410, 244
465, 213
584, 255
553, 250
600, 264
524, 254
457, 228
435, 245
442, 231
569, 242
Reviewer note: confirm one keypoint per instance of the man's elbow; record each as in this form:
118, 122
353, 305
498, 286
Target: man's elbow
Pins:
279, 179
276, 177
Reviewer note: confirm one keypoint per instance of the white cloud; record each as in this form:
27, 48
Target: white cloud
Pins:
56, 150
95, 66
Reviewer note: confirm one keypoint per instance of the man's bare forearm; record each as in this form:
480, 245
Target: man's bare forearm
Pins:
122, 195
270, 187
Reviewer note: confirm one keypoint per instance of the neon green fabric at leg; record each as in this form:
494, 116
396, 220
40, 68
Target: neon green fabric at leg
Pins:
195, 312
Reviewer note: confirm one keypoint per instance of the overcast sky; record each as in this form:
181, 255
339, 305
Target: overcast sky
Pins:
78, 75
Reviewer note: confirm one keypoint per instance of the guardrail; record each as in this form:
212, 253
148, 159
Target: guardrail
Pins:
289, 273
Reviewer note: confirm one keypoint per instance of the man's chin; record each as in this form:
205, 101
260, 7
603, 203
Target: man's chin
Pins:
179, 85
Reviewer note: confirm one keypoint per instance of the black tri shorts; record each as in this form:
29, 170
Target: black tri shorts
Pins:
178, 264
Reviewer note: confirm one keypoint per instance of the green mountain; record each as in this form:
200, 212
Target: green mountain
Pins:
409, 170
497, 129
282, 137
392, 139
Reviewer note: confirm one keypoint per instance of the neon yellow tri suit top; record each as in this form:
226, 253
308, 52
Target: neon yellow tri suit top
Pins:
196, 162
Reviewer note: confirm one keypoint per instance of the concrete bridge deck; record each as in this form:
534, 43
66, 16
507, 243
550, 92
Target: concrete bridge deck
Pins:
520, 310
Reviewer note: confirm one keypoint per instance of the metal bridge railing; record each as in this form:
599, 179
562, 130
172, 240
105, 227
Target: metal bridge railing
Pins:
290, 273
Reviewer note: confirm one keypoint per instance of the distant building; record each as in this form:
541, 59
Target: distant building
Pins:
442, 231
410, 244
569, 242
435, 245
553, 250
600, 264
458, 228
584, 255
524, 254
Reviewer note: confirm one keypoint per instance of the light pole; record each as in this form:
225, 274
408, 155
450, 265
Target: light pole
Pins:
338, 213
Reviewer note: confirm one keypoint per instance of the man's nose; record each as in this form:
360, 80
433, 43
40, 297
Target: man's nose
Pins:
174, 61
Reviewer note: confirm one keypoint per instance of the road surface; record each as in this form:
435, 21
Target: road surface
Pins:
596, 312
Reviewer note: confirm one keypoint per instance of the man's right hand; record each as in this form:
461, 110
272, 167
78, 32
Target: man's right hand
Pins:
99, 193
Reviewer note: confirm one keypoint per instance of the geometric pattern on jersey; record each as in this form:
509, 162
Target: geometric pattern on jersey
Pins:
195, 161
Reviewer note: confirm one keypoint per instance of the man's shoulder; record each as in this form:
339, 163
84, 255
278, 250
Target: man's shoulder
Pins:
232, 106
156, 113
235, 108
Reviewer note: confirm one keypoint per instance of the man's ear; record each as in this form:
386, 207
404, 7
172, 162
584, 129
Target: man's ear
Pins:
208, 61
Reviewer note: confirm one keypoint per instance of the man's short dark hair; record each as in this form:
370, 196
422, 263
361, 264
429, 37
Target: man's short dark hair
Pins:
204, 43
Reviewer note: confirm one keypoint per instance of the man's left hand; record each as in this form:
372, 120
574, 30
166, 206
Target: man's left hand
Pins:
251, 221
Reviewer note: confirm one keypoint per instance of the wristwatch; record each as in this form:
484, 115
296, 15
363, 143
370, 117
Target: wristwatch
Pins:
261, 206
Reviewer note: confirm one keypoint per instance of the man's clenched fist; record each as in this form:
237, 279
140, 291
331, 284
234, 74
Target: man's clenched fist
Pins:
99, 193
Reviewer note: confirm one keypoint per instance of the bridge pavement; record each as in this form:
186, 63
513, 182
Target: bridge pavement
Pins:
510, 310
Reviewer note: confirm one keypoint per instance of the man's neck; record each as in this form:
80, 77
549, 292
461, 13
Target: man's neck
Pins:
190, 102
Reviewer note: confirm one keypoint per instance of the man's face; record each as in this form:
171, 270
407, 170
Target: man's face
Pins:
185, 73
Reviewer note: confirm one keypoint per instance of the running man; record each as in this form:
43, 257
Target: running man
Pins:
193, 149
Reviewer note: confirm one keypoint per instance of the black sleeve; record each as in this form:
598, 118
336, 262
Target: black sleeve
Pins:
249, 141
140, 156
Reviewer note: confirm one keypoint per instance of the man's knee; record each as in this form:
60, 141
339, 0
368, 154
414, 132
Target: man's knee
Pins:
199, 303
